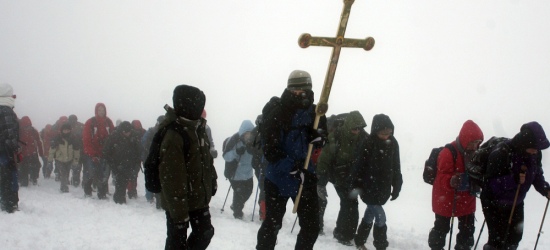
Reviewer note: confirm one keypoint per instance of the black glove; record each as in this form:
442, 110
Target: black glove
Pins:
456, 180
214, 187
322, 192
299, 164
240, 150
214, 153
319, 137
182, 227
394, 195
309, 179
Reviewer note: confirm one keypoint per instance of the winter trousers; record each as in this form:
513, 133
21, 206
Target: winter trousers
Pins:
348, 216
308, 214
322, 208
29, 169
376, 214
9, 186
442, 226
132, 182
76, 170
122, 177
242, 190
95, 171
201, 234
497, 217
64, 170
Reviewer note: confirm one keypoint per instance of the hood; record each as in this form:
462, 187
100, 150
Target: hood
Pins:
246, 126
25, 122
354, 120
6, 95
137, 125
381, 122
99, 104
469, 132
531, 135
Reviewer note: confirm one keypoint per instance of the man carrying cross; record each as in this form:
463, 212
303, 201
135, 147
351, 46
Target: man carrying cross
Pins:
286, 134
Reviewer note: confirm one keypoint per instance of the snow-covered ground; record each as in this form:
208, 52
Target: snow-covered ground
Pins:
50, 220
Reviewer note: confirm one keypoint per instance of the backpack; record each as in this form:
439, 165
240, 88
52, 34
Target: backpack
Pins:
230, 167
151, 164
477, 167
430, 166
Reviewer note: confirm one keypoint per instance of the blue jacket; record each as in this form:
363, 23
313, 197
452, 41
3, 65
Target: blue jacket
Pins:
286, 135
244, 169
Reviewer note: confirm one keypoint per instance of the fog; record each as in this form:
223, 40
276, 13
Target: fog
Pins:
435, 63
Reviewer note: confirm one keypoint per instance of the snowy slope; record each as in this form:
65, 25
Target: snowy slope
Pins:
50, 220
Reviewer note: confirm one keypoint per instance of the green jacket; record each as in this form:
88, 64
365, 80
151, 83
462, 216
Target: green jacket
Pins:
336, 158
187, 182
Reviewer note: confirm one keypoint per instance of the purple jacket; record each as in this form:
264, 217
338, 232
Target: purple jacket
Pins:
505, 162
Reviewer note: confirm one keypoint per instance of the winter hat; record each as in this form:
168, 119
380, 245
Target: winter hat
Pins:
6, 95
299, 80
125, 126
73, 119
188, 102
65, 126
531, 135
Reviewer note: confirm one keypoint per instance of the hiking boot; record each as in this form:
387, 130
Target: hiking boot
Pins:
345, 242
34, 182
362, 247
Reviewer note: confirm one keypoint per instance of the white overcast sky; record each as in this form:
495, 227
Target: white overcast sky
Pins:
435, 63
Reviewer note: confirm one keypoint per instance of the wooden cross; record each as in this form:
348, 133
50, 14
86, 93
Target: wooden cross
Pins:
336, 43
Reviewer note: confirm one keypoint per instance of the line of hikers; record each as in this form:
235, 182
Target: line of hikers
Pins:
294, 160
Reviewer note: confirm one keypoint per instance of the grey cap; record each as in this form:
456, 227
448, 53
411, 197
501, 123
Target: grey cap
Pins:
299, 80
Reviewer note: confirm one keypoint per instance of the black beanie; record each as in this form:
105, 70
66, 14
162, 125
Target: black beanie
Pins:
188, 102
65, 126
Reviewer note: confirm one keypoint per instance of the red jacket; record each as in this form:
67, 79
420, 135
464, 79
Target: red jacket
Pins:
442, 192
29, 139
46, 135
95, 132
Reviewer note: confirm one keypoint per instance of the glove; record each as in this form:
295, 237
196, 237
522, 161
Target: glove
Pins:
309, 179
319, 137
322, 192
214, 187
95, 160
299, 164
520, 178
183, 226
214, 153
240, 150
456, 180
394, 196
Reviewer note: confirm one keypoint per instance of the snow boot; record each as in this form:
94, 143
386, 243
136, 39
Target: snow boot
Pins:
436, 239
363, 232
380, 237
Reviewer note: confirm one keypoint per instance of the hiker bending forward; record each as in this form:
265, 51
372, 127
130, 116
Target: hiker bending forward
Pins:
451, 194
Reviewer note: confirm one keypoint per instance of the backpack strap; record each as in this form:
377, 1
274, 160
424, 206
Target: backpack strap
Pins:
453, 151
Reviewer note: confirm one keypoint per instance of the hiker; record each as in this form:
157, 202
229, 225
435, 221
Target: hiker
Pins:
287, 130
512, 168
451, 195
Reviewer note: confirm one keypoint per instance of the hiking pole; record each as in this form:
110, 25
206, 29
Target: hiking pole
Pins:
452, 219
293, 225
255, 200
523, 169
336, 43
542, 222
226, 197
479, 236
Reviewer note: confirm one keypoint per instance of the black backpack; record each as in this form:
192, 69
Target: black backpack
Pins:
151, 164
478, 166
430, 166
